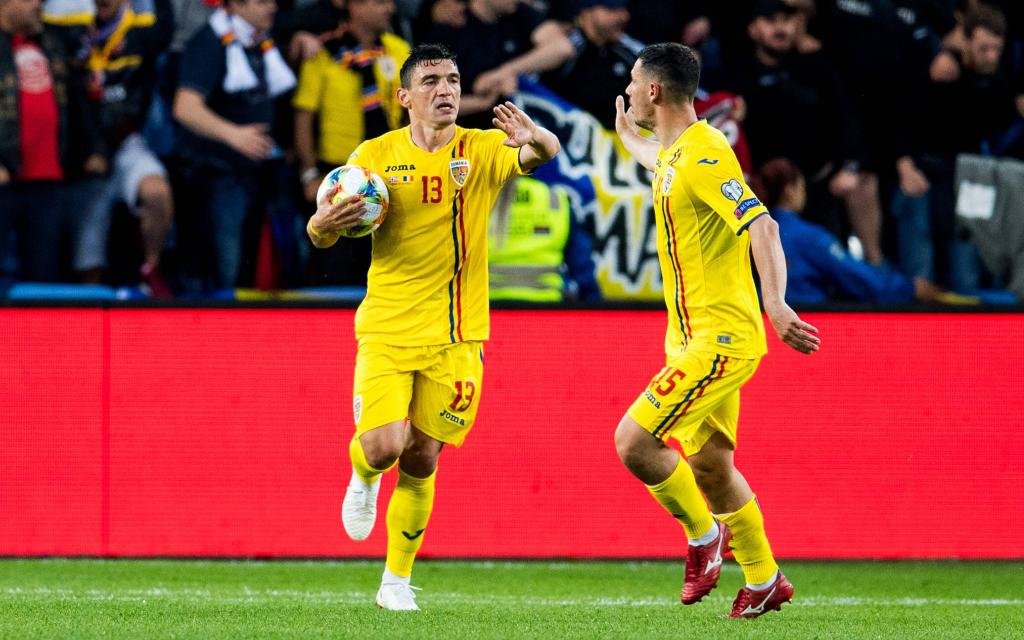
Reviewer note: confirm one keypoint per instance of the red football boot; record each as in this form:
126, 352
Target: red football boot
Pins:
704, 565
751, 604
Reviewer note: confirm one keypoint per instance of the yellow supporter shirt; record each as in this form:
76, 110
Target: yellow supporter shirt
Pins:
427, 283
335, 92
702, 207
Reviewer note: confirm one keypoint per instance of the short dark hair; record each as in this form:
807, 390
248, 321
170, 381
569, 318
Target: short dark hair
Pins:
985, 17
675, 66
423, 53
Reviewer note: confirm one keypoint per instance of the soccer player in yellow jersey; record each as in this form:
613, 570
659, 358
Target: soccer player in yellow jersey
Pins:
421, 326
708, 224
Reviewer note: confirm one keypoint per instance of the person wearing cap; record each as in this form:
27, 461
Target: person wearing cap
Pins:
599, 64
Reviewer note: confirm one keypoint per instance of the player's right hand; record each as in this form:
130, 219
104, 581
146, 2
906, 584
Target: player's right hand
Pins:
624, 122
344, 214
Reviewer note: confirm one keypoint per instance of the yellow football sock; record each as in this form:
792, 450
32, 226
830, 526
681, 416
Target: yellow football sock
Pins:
749, 542
408, 513
359, 463
681, 498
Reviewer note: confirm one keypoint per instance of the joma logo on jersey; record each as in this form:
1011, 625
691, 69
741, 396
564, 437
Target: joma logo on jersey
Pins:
399, 167
451, 417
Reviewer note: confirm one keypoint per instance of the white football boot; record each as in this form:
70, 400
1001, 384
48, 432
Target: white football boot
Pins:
397, 596
359, 509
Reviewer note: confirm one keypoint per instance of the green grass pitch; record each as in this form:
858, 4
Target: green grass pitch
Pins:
58, 598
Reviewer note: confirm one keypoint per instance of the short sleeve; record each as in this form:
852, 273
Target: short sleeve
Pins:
202, 63
501, 160
309, 92
717, 181
358, 156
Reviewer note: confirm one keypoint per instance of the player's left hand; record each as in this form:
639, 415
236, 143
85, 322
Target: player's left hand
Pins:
519, 128
792, 330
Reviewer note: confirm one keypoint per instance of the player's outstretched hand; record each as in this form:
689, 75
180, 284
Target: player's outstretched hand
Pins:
519, 128
794, 331
624, 122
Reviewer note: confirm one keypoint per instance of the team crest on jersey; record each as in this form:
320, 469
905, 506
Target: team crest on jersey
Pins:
460, 170
732, 190
666, 182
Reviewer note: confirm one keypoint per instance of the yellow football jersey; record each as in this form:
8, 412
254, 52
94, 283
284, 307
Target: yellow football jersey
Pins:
702, 207
427, 283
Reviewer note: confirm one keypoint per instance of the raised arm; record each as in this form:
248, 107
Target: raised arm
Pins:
771, 267
643, 150
536, 144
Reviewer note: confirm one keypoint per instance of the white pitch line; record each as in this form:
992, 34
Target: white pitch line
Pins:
268, 596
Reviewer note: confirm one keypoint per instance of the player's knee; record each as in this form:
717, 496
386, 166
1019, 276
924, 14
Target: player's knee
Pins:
709, 472
420, 459
629, 445
381, 453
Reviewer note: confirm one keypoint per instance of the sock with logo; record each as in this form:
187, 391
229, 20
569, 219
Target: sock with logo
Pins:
750, 544
408, 513
681, 498
360, 467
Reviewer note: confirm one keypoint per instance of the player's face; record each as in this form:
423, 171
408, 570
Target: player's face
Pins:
374, 14
986, 49
639, 94
775, 33
433, 94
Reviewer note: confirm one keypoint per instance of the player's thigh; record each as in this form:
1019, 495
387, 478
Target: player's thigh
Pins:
686, 391
382, 385
446, 394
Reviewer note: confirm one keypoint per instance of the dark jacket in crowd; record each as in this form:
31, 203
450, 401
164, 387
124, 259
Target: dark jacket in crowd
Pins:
79, 136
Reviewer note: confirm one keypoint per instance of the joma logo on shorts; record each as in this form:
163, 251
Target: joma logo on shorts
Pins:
652, 399
399, 167
453, 418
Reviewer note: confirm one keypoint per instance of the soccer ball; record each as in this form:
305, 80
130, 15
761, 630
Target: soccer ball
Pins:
349, 180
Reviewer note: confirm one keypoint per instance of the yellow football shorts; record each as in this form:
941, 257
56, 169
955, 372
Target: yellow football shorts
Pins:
437, 388
696, 394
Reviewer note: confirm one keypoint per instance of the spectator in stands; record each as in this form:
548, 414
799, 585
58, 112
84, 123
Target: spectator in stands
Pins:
48, 136
875, 79
120, 50
819, 267
302, 30
924, 204
796, 108
538, 251
230, 73
599, 66
348, 93
494, 32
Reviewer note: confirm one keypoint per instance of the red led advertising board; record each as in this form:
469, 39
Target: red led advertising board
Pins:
223, 432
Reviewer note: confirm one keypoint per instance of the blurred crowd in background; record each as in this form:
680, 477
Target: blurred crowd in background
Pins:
174, 147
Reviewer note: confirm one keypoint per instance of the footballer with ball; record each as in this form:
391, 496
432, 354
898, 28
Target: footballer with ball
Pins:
422, 324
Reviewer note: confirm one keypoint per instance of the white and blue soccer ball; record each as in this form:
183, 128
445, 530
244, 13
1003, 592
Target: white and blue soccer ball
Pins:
350, 179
